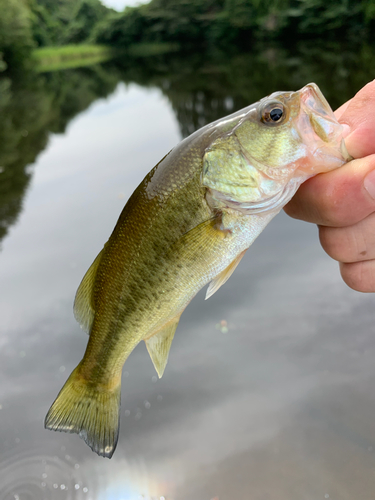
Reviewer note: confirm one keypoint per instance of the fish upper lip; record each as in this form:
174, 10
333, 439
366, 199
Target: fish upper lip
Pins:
313, 99
319, 97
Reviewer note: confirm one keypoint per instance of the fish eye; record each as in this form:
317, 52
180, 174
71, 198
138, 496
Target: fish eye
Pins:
273, 113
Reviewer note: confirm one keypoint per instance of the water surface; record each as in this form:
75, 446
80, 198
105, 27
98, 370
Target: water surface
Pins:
269, 389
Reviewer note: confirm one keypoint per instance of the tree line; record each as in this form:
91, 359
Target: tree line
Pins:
207, 24
237, 23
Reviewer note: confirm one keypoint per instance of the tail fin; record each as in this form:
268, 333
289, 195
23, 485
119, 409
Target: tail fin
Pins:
88, 410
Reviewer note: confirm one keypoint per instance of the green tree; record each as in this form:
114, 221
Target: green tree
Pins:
318, 17
87, 15
45, 28
121, 29
221, 23
16, 40
59, 22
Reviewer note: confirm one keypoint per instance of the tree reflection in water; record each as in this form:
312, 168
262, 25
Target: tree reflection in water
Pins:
200, 87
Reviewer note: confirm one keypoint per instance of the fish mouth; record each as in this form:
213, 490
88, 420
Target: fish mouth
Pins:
321, 117
322, 133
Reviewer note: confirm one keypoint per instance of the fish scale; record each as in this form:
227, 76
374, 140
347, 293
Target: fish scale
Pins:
188, 223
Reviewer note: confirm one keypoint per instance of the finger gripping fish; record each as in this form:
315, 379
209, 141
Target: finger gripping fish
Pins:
187, 224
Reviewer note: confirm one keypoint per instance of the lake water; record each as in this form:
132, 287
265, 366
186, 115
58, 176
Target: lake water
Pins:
269, 392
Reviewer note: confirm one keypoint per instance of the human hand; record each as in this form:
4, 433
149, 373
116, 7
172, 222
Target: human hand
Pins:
342, 202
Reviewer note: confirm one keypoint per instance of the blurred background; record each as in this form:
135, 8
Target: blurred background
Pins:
269, 393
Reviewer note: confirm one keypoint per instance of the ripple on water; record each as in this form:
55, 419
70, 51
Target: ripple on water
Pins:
31, 476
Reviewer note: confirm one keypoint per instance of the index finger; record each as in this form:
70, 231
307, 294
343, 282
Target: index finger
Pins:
337, 198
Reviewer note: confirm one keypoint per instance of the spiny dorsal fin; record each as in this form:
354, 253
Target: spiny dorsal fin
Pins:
158, 345
224, 276
83, 303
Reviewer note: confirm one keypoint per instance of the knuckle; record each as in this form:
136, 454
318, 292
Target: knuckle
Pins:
351, 243
337, 243
328, 242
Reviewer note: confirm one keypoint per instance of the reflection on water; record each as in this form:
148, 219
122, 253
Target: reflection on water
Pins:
30, 476
278, 404
31, 107
199, 91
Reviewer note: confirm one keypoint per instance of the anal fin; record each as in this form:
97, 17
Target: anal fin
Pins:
224, 276
159, 344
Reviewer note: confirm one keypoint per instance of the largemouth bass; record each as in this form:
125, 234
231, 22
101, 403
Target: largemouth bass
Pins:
187, 224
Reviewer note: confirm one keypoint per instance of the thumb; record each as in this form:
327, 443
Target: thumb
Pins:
359, 115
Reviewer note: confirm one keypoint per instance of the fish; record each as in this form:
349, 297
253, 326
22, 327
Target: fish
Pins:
188, 224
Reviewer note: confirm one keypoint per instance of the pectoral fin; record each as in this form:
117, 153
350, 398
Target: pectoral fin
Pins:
158, 345
83, 303
221, 278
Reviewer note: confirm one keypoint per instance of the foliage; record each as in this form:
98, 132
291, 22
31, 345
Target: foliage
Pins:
120, 30
183, 21
86, 15
219, 23
25, 24
16, 40
59, 22
319, 17
46, 29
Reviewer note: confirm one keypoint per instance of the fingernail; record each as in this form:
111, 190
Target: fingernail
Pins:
345, 130
369, 183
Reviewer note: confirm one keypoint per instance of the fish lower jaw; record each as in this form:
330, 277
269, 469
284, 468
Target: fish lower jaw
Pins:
329, 158
344, 151
272, 204
323, 160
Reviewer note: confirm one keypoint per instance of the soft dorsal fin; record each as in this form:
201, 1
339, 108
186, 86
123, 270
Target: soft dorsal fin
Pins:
224, 276
83, 303
158, 345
